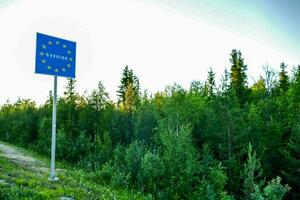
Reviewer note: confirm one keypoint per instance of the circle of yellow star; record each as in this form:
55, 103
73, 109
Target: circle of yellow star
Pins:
64, 46
63, 69
56, 70
41, 53
57, 42
44, 46
69, 65
69, 52
49, 67
50, 43
70, 59
43, 61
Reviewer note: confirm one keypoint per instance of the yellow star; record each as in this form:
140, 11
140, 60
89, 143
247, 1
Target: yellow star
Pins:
49, 67
43, 61
64, 46
57, 42
50, 43
69, 52
70, 59
69, 65
56, 70
41, 53
63, 69
44, 46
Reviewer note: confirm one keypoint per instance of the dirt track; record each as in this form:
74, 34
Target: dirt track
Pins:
19, 156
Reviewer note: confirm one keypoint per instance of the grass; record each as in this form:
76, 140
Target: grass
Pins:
23, 182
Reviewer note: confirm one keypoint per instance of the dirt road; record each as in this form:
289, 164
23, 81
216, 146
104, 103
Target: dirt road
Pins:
21, 157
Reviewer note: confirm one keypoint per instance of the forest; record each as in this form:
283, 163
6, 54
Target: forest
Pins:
208, 141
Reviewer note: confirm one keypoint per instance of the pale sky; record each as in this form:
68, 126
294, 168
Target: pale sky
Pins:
162, 41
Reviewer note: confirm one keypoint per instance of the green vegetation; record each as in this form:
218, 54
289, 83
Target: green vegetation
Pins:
23, 182
231, 141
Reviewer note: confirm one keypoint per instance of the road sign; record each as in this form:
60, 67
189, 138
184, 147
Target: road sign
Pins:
55, 56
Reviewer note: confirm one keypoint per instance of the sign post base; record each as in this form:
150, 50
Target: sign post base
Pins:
52, 179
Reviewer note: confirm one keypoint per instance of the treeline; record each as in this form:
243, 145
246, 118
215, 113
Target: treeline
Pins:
231, 141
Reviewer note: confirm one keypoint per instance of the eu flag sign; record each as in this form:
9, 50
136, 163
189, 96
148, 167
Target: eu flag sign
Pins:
55, 56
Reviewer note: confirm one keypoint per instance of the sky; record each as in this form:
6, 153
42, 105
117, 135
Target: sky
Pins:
164, 42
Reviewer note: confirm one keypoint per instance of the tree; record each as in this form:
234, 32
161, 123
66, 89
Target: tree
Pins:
225, 85
145, 122
128, 80
273, 191
70, 92
283, 78
99, 98
180, 162
68, 106
270, 80
251, 173
210, 84
238, 76
258, 89
130, 99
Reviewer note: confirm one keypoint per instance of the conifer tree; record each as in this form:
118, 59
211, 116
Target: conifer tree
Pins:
128, 78
283, 78
210, 84
225, 85
99, 98
70, 92
251, 173
130, 98
238, 76
70, 99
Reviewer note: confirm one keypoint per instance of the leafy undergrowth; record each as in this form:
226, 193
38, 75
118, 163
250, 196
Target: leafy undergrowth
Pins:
21, 182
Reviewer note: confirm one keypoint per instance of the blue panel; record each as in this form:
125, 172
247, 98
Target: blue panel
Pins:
55, 56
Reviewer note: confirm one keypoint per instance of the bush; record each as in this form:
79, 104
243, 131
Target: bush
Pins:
151, 173
273, 191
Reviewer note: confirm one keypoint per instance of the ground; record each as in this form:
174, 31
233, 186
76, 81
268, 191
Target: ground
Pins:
24, 175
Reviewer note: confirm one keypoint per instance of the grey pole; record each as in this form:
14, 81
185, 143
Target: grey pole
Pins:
52, 174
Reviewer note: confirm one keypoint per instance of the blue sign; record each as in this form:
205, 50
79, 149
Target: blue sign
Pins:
55, 56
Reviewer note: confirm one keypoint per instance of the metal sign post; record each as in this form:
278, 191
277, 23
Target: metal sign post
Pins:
53, 177
54, 56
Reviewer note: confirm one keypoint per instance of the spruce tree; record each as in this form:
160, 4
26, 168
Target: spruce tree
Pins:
251, 173
128, 78
99, 98
210, 84
70, 98
70, 92
283, 78
238, 76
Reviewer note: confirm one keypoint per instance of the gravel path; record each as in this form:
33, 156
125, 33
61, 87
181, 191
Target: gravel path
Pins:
19, 156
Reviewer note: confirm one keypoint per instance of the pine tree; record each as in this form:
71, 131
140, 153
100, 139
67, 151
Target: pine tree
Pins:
99, 98
128, 78
70, 99
130, 98
224, 87
70, 92
49, 100
210, 84
238, 76
251, 173
283, 78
